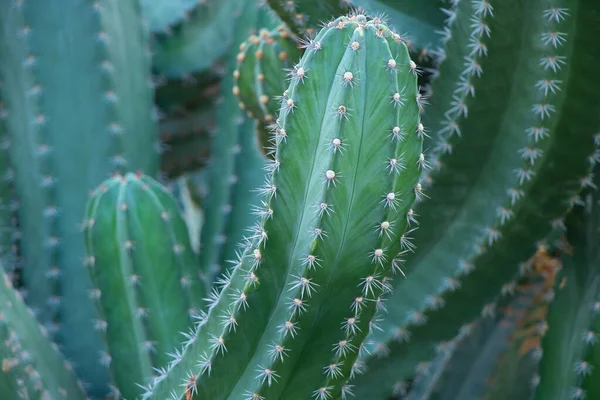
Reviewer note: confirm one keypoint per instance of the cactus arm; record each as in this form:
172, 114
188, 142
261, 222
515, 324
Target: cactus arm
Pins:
150, 264
32, 367
568, 368
8, 230
479, 230
307, 320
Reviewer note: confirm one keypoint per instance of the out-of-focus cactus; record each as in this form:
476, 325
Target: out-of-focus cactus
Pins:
32, 367
508, 163
260, 77
300, 302
78, 98
145, 275
571, 359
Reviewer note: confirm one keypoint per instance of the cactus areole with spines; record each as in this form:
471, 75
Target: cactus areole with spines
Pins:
291, 316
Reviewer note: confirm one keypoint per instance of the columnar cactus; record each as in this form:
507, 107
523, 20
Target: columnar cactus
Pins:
145, 275
300, 302
78, 106
32, 367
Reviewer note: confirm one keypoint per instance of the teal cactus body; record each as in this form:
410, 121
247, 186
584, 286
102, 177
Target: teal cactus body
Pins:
149, 254
263, 63
299, 304
78, 98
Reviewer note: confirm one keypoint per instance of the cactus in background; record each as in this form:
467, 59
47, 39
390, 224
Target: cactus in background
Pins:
571, 357
78, 106
162, 14
263, 62
508, 164
195, 43
299, 304
32, 367
8, 231
145, 275
305, 17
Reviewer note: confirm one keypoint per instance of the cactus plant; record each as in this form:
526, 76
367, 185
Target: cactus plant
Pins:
145, 277
78, 106
311, 290
32, 367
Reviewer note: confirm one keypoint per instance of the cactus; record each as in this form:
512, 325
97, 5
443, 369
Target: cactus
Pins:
509, 163
7, 202
304, 297
146, 277
32, 367
304, 17
78, 106
568, 369
260, 75
162, 14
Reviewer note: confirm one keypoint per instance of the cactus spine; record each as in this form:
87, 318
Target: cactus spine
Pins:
347, 166
145, 274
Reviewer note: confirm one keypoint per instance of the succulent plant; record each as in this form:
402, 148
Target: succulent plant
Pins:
464, 203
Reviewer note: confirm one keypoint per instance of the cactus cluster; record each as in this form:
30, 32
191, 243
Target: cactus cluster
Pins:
299, 199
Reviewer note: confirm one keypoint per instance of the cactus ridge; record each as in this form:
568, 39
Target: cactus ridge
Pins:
52, 172
521, 152
32, 366
293, 274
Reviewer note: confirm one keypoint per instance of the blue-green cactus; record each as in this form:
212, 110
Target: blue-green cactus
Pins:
508, 163
78, 98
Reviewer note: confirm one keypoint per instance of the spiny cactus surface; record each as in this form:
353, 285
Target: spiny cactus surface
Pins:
299, 304
145, 275
509, 162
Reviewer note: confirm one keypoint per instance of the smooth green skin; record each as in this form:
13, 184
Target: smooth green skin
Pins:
196, 43
32, 366
235, 166
416, 18
79, 55
140, 259
473, 180
267, 74
344, 255
161, 14
305, 17
574, 311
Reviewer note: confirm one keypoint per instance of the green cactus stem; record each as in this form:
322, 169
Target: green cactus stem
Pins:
263, 63
513, 143
145, 274
32, 367
78, 106
292, 315
304, 17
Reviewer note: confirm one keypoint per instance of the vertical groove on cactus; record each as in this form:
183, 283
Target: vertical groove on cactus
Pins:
501, 167
79, 106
